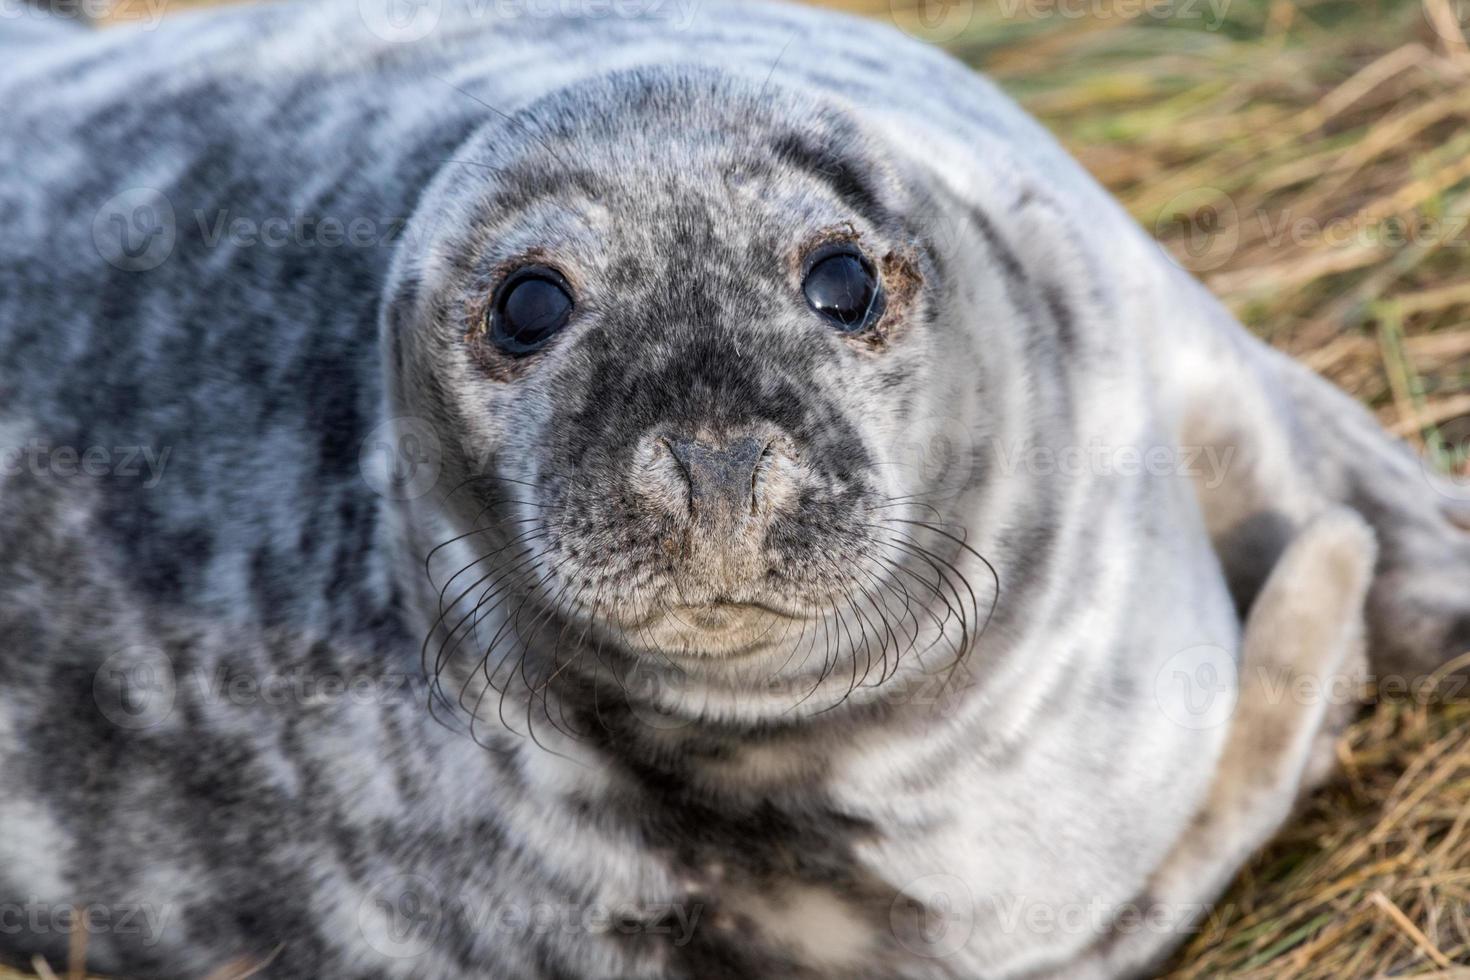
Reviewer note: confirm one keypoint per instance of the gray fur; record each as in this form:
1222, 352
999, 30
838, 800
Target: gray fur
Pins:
920, 690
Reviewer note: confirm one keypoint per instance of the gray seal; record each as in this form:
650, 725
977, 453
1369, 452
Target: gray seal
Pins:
491, 494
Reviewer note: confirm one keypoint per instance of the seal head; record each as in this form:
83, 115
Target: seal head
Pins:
674, 373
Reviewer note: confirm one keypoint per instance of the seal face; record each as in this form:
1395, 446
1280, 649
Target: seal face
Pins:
692, 451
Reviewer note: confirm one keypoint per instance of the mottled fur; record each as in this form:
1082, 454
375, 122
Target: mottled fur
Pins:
917, 693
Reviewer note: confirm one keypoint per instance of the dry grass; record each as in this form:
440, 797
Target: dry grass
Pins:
1373, 877
1310, 159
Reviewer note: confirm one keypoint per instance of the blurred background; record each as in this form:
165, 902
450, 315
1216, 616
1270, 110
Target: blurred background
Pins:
1310, 161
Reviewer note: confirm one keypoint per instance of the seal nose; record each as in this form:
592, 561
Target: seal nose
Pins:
721, 478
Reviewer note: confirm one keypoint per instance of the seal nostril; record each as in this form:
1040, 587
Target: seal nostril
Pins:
723, 480
679, 450
755, 476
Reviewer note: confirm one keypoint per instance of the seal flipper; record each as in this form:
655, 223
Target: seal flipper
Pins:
1303, 639
1299, 446
1419, 608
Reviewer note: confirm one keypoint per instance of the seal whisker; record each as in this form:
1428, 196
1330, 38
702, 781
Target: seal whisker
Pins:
889, 634
531, 688
940, 624
883, 585
931, 554
523, 558
444, 647
480, 610
510, 624
428, 558
945, 570
981, 558
531, 534
544, 688
829, 657
864, 622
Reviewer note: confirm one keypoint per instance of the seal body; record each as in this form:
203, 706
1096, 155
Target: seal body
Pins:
344, 642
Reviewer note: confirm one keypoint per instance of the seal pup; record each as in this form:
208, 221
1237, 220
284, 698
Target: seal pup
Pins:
595, 497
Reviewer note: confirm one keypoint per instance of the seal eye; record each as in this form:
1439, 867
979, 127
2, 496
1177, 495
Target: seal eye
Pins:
841, 286
528, 309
